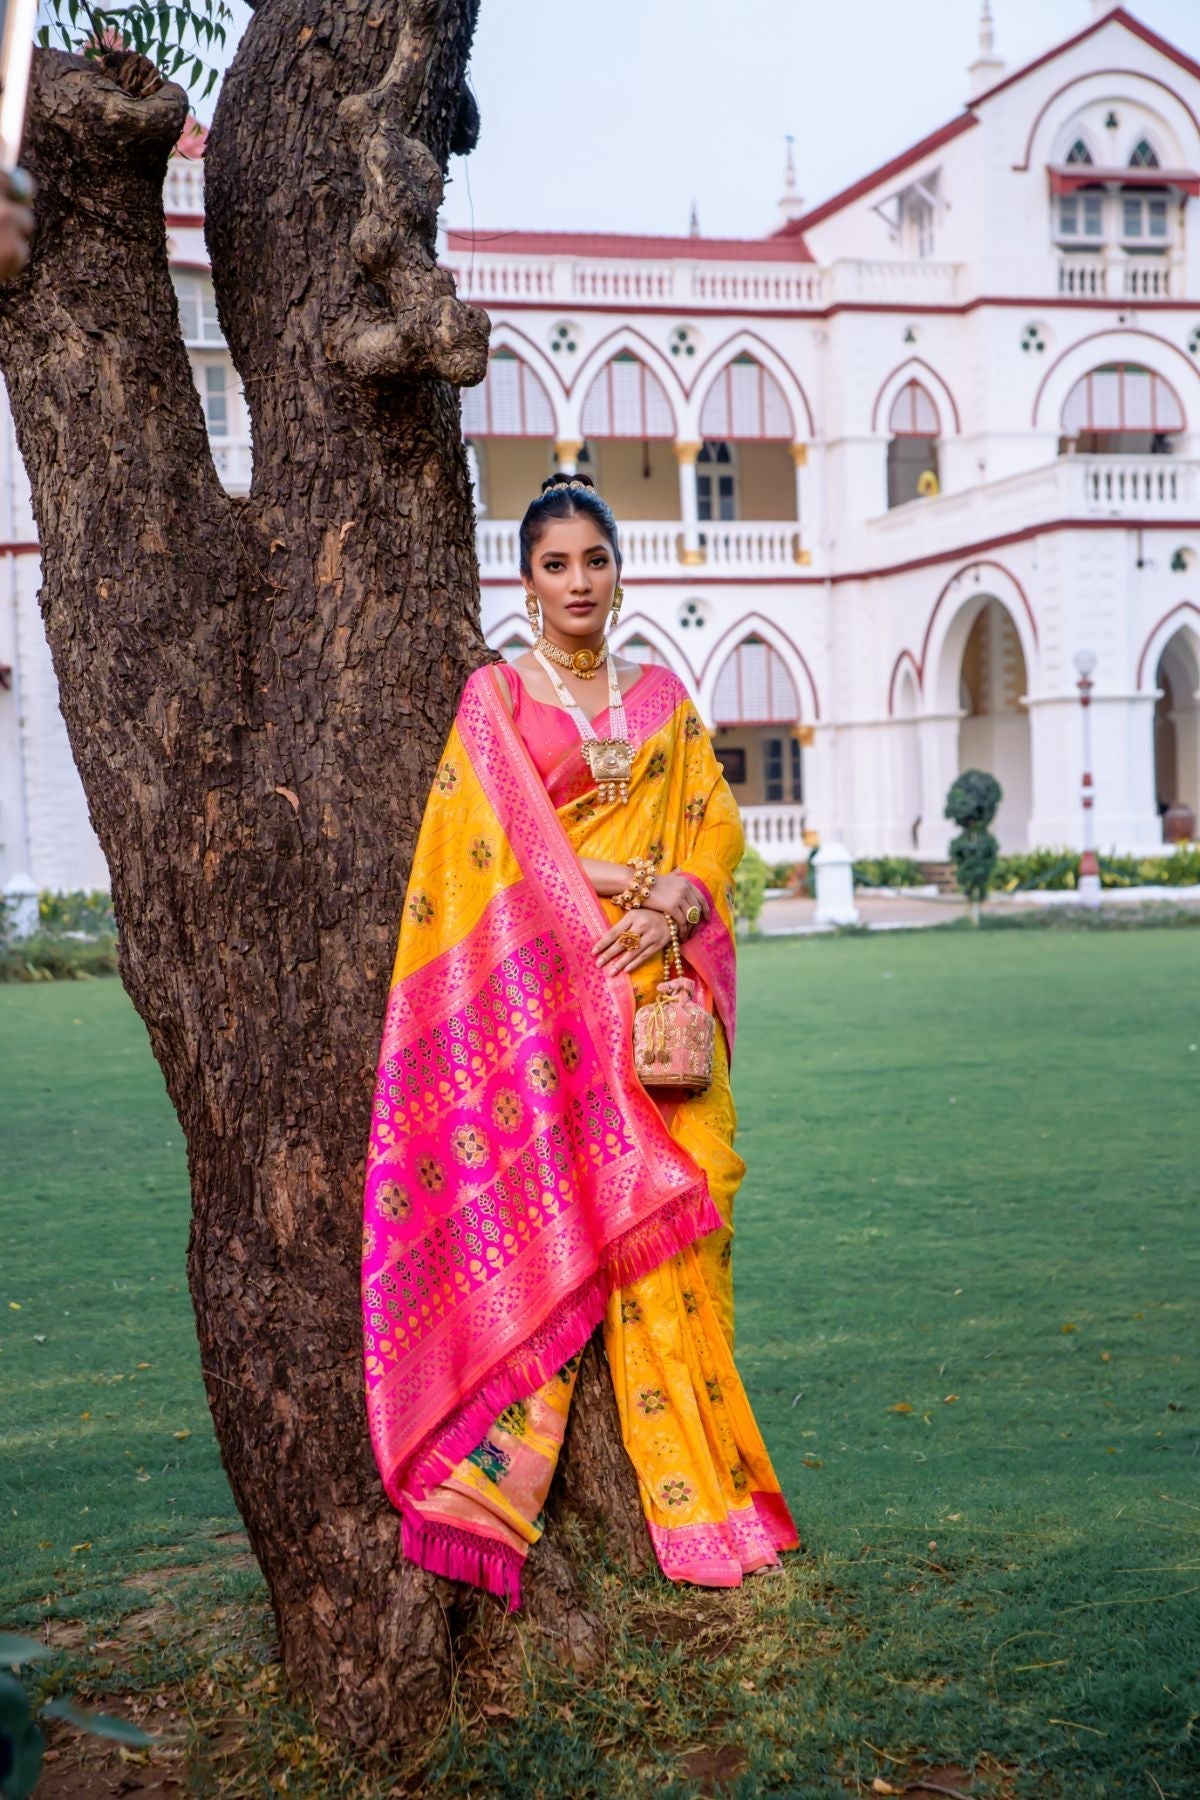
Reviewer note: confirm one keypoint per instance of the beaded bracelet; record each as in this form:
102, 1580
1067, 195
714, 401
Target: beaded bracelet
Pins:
639, 888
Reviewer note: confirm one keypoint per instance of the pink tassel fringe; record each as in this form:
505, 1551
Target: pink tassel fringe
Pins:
692, 1215
462, 1556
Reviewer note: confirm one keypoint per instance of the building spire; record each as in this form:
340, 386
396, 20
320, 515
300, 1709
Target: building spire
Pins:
987, 67
694, 221
791, 204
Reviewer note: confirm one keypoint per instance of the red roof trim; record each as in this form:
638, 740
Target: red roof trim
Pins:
934, 141
601, 243
1067, 179
1118, 16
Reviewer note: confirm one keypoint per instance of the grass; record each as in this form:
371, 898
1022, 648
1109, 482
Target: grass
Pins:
967, 1268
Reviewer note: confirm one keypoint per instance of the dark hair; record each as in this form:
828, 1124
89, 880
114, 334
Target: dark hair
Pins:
563, 498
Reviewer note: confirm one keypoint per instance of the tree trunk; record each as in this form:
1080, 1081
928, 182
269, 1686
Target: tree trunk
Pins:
256, 693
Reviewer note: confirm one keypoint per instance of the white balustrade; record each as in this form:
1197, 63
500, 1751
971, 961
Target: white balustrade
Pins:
1083, 274
656, 546
233, 463
1147, 277
776, 831
696, 284
183, 191
1132, 487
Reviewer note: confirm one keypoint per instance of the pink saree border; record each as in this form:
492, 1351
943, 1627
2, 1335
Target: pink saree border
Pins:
677, 1207
720, 1554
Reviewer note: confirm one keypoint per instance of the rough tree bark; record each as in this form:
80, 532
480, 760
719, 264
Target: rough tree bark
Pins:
256, 692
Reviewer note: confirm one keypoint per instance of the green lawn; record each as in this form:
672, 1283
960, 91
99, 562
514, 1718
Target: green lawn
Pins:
968, 1274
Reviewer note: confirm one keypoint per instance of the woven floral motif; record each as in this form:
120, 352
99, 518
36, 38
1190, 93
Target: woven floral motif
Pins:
521, 1183
470, 1146
508, 1109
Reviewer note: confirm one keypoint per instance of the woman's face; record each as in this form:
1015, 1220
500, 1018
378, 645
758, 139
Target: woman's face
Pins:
574, 574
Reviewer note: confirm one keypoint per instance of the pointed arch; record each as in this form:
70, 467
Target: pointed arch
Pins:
1122, 396
512, 625
755, 624
905, 666
1100, 347
640, 625
1041, 133
950, 623
510, 401
623, 338
1144, 155
749, 343
1185, 617
915, 368
626, 399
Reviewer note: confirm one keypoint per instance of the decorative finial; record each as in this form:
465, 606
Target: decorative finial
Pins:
694, 222
789, 167
987, 34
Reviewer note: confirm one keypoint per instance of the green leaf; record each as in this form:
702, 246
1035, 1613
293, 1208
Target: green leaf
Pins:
98, 1724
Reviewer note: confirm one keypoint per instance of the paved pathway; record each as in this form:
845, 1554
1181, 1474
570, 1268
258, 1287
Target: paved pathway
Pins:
786, 918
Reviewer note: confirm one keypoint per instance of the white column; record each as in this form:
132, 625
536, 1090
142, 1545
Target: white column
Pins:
1126, 812
804, 512
685, 456
937, 734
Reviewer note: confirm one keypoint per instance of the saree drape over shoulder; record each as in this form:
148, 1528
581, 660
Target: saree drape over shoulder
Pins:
522, 1185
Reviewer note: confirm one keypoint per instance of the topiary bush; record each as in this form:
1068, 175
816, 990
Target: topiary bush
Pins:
972, 803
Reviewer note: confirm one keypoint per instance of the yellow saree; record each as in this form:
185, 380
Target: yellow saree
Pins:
522, 1183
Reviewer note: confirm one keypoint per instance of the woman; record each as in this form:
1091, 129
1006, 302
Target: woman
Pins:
522, 1184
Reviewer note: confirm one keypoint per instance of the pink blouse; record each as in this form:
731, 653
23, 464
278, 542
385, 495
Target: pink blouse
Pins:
548, 731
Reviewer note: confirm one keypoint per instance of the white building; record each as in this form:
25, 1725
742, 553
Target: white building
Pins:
881, 475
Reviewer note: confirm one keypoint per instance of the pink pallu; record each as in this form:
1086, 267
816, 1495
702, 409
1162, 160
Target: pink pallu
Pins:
517, 1171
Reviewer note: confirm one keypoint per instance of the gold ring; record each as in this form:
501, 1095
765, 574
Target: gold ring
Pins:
692, 915
630, 940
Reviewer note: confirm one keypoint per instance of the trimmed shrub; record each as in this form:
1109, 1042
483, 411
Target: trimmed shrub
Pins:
972, 803
887, 871
749, 886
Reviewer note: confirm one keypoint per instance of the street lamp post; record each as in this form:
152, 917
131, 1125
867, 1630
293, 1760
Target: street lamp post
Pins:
1089, 867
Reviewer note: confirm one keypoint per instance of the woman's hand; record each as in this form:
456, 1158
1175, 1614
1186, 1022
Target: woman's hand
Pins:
674, 895
650, 927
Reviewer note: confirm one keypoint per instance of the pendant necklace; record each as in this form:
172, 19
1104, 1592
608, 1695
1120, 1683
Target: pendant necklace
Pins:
610, 759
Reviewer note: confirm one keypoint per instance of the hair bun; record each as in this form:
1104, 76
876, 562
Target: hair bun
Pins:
560, 478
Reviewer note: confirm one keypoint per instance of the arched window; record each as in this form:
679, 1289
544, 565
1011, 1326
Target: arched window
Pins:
1144, 156
1121, 407
913, 451
640, 650
509, 402
755, 687
513, 646
745, 401
1079, 152
716, 486
627, 400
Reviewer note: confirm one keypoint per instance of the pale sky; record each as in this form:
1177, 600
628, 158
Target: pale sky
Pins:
616, 115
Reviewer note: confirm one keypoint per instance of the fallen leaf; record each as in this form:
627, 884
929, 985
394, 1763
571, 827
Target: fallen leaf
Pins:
747, 1685
15, 1305
880, 1786
181, 1434
145, 1365
950, 1399
1105, 1356
39, 1337
75, 1547
901, 1406
1069, 1327
813, 1462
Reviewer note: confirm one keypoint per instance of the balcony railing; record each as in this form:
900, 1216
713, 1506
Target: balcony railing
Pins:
183, 191
656, 547
233, 465
1115, 274
711, 286
1134, 487
777, 831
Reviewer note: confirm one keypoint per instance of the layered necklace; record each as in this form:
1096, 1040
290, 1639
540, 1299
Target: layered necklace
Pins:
583, 663
610, 759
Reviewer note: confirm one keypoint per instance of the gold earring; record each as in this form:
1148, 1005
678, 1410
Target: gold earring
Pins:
618, 596
531, 608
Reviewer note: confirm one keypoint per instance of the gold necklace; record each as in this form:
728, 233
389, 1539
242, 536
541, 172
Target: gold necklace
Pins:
583, 663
